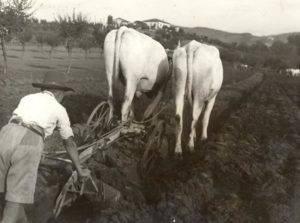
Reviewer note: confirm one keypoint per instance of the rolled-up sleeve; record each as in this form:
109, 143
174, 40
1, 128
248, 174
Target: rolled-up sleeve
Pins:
64, 125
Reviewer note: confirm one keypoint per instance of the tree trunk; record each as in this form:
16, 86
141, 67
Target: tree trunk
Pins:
50, 52
69, 46
23, 49
70, 61
4, 55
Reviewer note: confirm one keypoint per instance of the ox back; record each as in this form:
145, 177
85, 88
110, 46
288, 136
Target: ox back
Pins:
137, 60
197, 75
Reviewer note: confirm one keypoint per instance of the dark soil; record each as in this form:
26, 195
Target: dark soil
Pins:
246, 172
141, 195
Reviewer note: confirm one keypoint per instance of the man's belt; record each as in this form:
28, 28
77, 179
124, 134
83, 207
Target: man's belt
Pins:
34, 128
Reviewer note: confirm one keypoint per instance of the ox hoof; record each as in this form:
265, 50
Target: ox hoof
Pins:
191, 150
178, 155
203, 138
191, 146
178, 151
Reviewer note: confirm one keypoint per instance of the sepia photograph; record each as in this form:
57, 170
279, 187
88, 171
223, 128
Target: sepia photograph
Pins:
149, 111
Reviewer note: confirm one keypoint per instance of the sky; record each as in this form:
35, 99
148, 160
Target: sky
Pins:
259, 17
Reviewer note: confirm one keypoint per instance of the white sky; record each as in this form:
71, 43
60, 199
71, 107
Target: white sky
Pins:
259, 17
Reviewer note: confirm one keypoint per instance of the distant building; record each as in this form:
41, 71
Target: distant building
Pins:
156, 23
121, 22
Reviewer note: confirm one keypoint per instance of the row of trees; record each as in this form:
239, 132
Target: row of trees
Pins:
14, 16
69, 30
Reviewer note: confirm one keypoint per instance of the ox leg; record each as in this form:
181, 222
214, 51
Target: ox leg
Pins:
206, 117
179, 102
110, 96
153, 104
129, 94
197, 108
131, 113
111, 107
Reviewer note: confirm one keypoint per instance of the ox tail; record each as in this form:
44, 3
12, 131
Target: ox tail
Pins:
116, 65
189, 81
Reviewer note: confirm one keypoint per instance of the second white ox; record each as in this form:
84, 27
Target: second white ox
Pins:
140, 62
198, 71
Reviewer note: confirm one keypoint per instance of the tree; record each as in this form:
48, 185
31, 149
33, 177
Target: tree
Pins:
14, 16
141, 25
72, 28
259, 47
274, 63
243, 47
3, 33
53, 40
40, 37
229, 55
295, 40
252, 59
110, 22
279, 47
24, 37
99, 33
86, 43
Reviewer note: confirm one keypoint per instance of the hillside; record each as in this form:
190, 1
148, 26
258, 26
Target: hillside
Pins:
283, 37
224, 36
228, 37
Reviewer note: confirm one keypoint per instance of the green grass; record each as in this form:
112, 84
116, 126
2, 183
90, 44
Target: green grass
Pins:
35, 61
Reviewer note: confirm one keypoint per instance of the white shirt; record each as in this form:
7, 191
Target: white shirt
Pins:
44, 110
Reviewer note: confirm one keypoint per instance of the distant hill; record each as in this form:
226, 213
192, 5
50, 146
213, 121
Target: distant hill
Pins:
224, 36
228, 37
283, 37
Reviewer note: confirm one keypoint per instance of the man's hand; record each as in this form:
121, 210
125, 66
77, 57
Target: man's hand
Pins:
84, 174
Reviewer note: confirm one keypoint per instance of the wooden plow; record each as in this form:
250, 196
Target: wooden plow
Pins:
100, 135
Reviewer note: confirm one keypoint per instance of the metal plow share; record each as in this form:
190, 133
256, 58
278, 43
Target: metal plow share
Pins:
103, 134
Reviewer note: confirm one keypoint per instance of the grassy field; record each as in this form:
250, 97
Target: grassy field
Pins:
87, 74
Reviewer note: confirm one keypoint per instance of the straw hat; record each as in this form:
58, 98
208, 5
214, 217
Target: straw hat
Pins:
54, 80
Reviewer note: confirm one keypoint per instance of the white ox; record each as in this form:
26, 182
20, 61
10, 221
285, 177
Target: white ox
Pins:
198, 73
140, 62
243, 66
291, 72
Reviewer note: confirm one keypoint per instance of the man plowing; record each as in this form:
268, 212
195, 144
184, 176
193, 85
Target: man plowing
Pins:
22, 142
